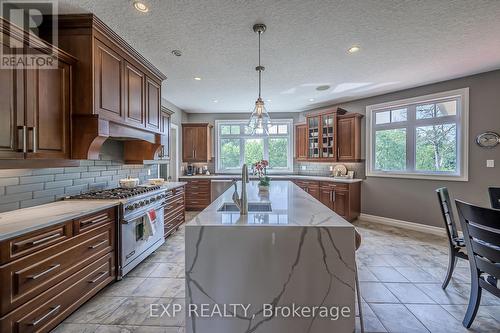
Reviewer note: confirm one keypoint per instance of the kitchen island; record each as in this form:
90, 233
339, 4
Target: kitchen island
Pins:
290, 269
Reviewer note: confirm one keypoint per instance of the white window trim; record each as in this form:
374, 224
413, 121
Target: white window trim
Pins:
290, 136
463, 134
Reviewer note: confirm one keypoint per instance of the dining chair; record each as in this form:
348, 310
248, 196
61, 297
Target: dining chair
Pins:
481, 228
456, 243
357, 236
494, 197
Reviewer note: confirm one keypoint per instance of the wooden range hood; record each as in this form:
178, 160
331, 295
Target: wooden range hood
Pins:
116, 92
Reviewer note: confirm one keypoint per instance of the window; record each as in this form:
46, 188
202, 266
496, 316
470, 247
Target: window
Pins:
235, 146
423, 137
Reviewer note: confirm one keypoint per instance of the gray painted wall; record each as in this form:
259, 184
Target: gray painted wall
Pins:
415, 200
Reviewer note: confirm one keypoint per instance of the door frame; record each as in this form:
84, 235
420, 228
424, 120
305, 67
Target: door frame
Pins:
177, 149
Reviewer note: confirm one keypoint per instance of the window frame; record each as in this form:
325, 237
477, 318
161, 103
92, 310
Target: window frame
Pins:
462, 128
242, 136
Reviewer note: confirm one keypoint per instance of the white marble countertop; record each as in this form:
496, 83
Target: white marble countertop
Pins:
21, 221
170, 185
304, 177
291, 206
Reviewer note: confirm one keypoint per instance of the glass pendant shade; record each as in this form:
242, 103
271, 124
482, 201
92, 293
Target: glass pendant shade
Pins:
259, 119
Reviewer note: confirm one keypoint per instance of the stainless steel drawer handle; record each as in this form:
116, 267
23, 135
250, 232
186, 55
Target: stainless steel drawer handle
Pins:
89, 222
39, 275
45, 239
130, 254
49, 314
101, 274
95, 246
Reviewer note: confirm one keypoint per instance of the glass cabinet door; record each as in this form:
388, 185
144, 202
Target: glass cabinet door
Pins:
313, 126
328, 136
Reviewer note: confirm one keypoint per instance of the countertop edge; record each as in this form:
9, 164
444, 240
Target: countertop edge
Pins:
304, 177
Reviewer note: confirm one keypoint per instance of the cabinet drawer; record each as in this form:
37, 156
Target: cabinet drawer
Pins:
174, 223
179, 191
335, 186
171, 213
47, 310
35, 241
198, 182
94, 220
175, 199
25, 278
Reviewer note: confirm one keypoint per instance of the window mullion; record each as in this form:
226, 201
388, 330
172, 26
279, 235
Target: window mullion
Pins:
411, 139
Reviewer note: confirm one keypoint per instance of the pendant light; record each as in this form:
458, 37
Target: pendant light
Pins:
259, 120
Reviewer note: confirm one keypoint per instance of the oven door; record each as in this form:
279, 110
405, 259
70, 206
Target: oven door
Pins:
135, 245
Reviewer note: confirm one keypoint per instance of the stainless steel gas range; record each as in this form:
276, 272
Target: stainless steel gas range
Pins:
134, 244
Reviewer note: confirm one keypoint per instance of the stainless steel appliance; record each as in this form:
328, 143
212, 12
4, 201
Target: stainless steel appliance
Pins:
134, 246
190, 170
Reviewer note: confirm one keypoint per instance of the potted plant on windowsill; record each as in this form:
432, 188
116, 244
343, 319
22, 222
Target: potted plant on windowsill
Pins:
260, 169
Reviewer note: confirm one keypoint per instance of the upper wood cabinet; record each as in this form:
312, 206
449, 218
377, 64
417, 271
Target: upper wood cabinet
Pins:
118, 91
35, 107
349, 137
197, 142
165, 115
333, 136
301, 142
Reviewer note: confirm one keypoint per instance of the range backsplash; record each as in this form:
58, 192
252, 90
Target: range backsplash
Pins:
30, 187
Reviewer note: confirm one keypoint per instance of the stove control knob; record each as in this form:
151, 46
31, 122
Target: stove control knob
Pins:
136, 205
153, 199
146, 202
142, 203
129, 208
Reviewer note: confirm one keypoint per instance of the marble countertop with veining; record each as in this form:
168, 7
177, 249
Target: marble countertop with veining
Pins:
304, 177
291, 206
170, 185
21, 221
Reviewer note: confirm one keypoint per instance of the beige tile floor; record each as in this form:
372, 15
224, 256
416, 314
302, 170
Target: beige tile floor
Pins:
400, 275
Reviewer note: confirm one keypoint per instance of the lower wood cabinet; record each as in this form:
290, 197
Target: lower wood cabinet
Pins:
343, 198
198, 194
175, 209
55, 271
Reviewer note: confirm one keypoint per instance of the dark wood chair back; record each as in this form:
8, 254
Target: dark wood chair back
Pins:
494, 197
481, 228
448, 217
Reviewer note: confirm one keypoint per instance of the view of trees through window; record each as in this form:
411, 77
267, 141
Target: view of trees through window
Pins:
236, 146
430, 131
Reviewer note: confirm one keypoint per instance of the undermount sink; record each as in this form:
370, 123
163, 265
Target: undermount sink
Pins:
253, 207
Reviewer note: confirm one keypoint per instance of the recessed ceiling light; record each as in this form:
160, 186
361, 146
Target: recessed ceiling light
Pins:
197, 78
268, 100
311, 99
141, 6
354, 49
322, 88
216, 101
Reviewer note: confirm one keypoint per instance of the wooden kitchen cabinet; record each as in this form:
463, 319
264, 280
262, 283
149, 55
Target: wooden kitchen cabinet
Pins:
198, 194
164, 152
301, 142
175, 210
196, 142
343, 198
331, 136
310, 186
349, 137
153, 105
35, 106
134, 96
47, 274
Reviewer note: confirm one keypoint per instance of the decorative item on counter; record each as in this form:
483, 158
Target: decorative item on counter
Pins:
129, 182
260, 169
156, 181
350, 174
340, 171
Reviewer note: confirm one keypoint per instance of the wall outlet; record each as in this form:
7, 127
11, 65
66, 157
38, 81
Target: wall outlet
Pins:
303, 167
149, 172
331, 168
490, 163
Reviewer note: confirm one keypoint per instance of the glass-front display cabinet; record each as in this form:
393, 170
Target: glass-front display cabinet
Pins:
322, 132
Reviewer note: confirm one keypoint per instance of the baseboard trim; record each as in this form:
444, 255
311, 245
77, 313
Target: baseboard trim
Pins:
403, 224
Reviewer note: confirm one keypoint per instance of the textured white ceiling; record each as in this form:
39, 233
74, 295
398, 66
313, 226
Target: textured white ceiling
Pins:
403, 44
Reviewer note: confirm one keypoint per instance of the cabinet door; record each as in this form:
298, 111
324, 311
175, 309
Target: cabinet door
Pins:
48, 112
108, 68
313, 133
11, 114
349, 139
134, 96
328, 136
341, 203
188, 140
325, 196
201, 144
314, 191
153, 105
301, 142
165, 130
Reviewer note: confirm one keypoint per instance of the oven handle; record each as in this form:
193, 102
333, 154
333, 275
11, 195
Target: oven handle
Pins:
128, 219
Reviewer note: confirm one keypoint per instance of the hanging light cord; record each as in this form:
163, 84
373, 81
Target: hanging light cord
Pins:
259, 68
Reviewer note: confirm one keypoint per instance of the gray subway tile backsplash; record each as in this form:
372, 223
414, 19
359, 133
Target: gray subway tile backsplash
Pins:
30, 187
